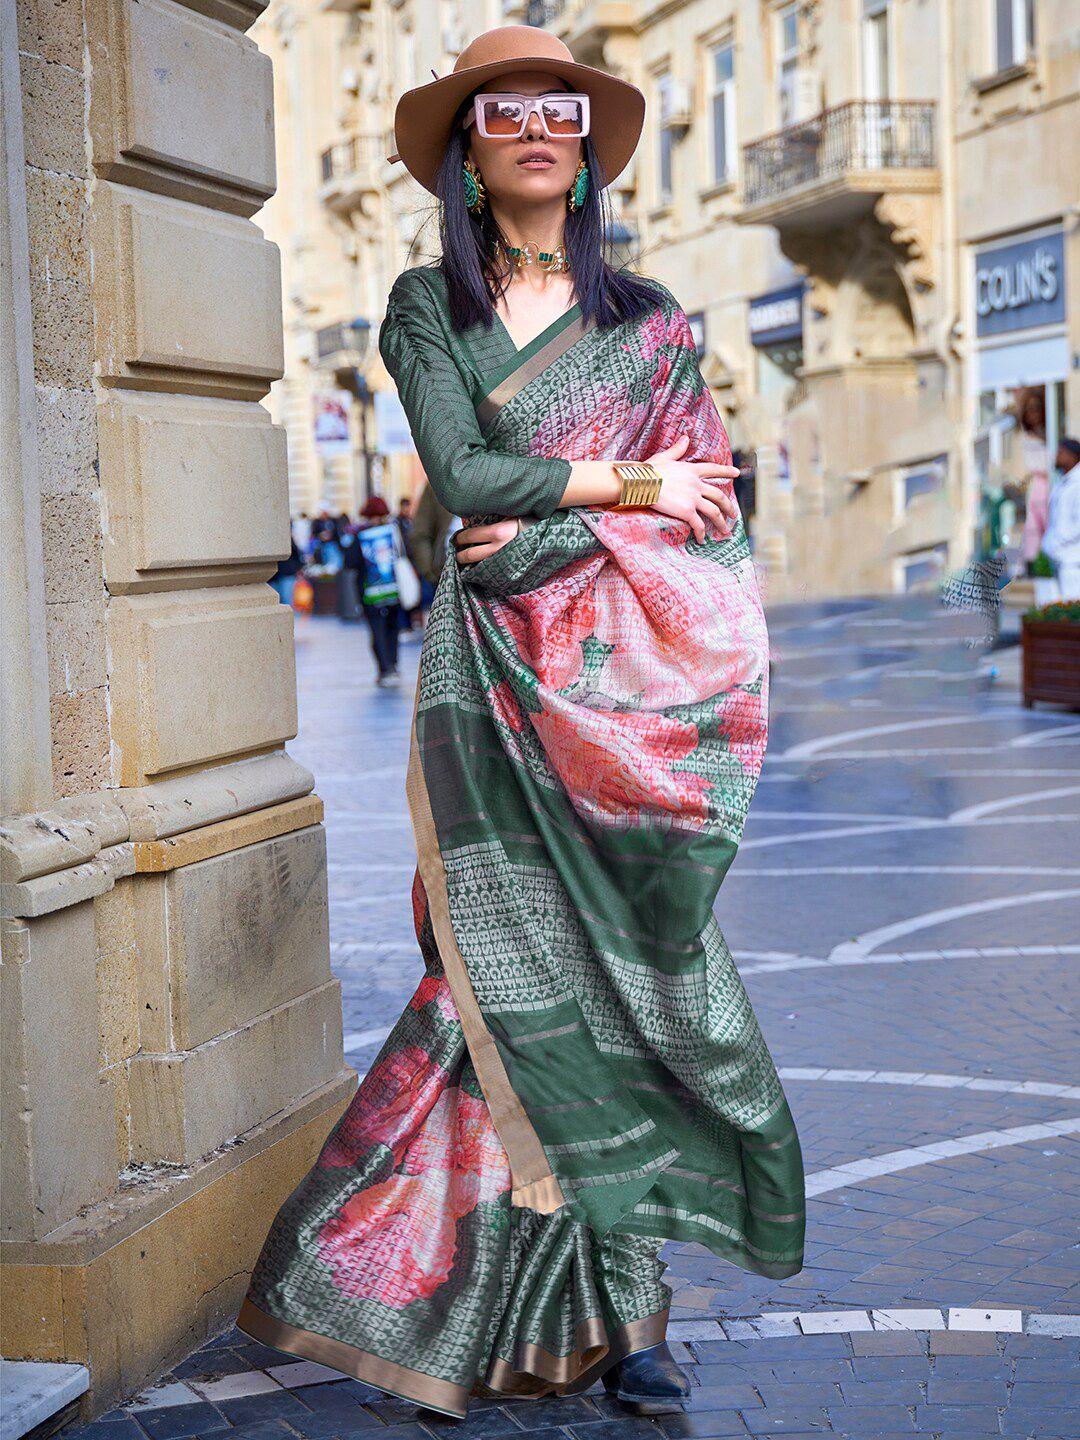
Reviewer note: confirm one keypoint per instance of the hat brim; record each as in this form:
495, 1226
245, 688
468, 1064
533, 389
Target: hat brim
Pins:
424, 117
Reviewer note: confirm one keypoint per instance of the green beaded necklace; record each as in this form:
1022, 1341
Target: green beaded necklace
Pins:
531, 254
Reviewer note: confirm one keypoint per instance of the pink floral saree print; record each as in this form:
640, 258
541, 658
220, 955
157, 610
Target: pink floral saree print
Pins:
580, 1075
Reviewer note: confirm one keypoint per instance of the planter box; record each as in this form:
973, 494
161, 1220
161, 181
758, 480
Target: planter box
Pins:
1051, 651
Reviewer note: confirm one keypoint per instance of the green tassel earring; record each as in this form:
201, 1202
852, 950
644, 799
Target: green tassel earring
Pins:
580, 187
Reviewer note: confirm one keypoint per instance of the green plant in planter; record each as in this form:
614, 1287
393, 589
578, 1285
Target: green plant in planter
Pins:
1057, 610
1042, 567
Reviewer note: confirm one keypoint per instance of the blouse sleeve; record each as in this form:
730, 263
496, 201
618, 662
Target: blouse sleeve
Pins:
465, 475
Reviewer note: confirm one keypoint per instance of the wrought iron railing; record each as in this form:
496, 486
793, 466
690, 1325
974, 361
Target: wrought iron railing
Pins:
358, 154
543, 12
861, 135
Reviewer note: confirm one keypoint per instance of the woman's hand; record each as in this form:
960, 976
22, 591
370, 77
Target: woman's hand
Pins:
477, 542
690, 490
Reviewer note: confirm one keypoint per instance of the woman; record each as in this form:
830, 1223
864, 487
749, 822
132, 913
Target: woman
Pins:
579, 1075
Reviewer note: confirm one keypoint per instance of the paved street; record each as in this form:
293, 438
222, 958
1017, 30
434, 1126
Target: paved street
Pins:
904, 910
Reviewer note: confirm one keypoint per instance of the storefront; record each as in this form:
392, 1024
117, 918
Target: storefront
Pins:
776, 333
1021, 365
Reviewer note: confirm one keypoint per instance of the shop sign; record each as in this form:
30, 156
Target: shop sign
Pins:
331, 423
777, 317
696, 322
1020, 286
392, 434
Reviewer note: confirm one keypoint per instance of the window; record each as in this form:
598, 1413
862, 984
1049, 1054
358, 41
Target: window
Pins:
665, 138
922, 570
1015, 20
722, 110
787, 61
876, 58
928, 479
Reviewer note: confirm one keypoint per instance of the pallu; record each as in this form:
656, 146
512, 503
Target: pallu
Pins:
580, 1075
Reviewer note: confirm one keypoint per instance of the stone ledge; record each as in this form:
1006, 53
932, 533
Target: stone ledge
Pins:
75, 831
157, 856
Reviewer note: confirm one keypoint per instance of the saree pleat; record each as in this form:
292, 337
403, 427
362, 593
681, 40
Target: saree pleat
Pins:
580, 1075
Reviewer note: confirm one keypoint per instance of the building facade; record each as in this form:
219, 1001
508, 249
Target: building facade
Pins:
863, 206
172, 1054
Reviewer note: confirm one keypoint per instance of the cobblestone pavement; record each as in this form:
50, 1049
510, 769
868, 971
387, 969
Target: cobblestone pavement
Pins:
904, 909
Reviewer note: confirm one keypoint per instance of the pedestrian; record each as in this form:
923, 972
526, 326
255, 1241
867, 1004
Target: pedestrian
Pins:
579, 1076
371, 555
1061, 542
428, 542
284, 577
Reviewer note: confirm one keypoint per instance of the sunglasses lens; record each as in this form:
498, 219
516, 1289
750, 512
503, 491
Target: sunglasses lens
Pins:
564, 117
502, 117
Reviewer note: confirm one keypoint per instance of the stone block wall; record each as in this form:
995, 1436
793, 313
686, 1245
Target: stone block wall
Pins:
172, 1031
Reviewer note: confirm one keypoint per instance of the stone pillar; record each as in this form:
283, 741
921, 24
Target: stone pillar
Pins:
172, 1032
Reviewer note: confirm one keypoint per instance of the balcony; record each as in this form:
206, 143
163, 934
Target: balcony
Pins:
351, 170
828, 170
585, 25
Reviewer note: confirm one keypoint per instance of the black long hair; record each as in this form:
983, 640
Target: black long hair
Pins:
607, 294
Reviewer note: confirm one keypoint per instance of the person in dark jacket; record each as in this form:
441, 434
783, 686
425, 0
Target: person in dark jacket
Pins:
284, 577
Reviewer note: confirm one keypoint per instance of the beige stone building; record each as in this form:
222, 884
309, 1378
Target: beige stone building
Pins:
172, 1052
826, 185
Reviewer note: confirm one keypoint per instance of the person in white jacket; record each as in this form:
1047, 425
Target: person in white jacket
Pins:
1062, 538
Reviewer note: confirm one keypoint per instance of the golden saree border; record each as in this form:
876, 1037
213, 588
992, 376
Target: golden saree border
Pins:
489, 405
399, 1380
534, 1186
536, 1372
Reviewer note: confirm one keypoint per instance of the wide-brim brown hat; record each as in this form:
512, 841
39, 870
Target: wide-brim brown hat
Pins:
425, 115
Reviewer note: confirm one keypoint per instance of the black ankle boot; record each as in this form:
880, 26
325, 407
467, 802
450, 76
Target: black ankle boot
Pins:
649, 1382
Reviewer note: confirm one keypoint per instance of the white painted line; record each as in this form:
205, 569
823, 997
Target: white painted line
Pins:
823, 1182
360, 1039
234, 1387
695, 1330
833, 1322
1060, 1326
843, 832
864, 944
1010, 1322
809, 748
1038, 872
932, 1081
1043, 737
303, 1372
907, 1319
159, 1397
389, 949
993, 807
780, 1324
779, 964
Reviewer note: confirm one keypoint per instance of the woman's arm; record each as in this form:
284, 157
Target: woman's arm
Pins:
465, 475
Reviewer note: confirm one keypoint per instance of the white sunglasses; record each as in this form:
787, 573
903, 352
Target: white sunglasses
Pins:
504, 116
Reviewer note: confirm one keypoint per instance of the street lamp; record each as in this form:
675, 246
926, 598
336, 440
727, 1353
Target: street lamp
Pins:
352, 379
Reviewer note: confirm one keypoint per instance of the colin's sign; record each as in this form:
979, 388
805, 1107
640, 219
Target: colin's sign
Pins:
1020, 286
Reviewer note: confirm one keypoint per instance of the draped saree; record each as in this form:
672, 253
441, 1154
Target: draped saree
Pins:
579, 1075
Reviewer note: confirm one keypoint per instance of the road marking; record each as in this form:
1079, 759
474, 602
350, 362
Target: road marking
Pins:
361, 1039
809, 748
932, 1081
855, 1172
992, 807
777, 962
864, 944
782, 1324
1037, 871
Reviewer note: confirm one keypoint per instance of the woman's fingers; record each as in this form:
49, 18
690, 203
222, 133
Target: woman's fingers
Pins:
470, 554
707, 470
672, 451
